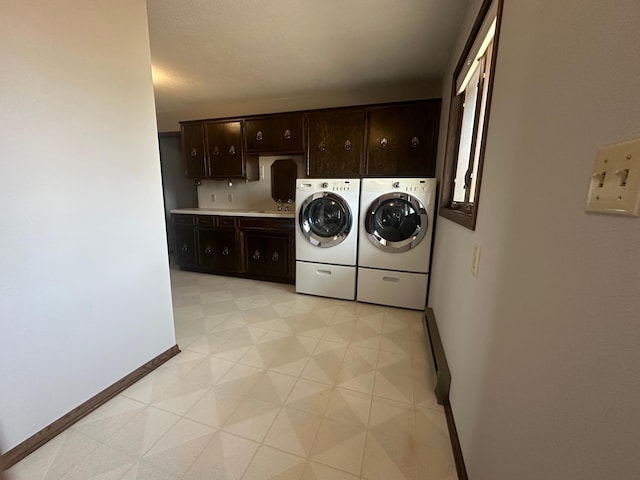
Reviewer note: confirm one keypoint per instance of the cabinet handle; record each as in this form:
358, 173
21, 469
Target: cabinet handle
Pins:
207, 250
216, 151
232, 150
347, 145
287, 134
275, 257
185, 248
194, 152
259, 135
225, 251
415, 142
256, 255
384, 143
322, 147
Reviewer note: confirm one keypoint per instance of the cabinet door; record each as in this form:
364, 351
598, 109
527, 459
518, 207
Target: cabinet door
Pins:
402, 140
185, 246
284, 173
335, 144
224, 146
217, 250
267, 254
193, 150
278, 133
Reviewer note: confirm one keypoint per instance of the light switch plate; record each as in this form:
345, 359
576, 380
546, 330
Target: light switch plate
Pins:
615, 184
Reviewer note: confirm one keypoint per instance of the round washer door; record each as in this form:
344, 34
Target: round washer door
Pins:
396, 222
325, 219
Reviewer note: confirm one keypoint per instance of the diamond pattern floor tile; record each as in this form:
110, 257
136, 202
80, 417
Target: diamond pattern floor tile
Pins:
225, 457
252, 419
179, 447
339, 445
294, 431
269, 384
274, 464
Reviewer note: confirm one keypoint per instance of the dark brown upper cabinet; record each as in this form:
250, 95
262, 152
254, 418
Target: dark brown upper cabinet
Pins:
214, 149
194, 151
389, 140
402, 139
224, 149
335, 143
280, 133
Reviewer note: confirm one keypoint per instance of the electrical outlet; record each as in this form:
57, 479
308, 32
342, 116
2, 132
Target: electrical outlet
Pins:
230, 197
262, 172
475, 260
615, 183
213, 197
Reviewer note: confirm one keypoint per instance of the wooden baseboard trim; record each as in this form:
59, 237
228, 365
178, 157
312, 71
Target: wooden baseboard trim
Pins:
443, 384
455, 443
32, 443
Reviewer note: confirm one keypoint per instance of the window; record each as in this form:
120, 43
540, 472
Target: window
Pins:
468, 118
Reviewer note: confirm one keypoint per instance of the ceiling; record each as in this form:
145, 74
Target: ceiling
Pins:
217, 51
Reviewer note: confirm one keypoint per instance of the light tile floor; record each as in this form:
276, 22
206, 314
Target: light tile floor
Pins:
269, 384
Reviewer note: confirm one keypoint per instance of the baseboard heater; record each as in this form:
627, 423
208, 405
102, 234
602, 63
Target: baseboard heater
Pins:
443, 384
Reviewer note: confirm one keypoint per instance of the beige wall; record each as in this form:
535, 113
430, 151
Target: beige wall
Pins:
84, 279
543, 347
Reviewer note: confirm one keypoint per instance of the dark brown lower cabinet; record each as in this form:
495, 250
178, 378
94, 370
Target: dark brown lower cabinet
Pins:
185, 247
218, 250
269, 248
251, 247
267, 255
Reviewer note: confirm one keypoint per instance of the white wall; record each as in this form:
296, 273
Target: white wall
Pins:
254, 195
84, 285
544, 349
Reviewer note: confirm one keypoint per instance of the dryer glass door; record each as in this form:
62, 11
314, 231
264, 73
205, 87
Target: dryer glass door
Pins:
396, 222
325, 219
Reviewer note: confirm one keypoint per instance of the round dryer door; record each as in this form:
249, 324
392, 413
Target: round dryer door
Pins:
396, 222
325, 219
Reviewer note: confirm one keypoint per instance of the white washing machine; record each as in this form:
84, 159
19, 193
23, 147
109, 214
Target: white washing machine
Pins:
396, 229
327, 213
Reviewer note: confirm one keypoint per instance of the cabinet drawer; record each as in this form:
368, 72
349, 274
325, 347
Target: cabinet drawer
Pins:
181, 219
205, 220
266, 223
225, 221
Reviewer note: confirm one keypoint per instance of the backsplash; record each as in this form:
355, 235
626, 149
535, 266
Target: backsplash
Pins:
242, 194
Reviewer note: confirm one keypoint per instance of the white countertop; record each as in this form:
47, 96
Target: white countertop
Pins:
234, 213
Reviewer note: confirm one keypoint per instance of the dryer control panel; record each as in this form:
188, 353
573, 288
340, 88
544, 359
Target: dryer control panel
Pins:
409, 185
350, 185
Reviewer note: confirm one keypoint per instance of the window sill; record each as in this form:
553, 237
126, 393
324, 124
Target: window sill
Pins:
467, 220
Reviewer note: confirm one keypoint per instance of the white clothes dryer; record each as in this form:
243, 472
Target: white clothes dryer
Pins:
396, 230
327, 212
